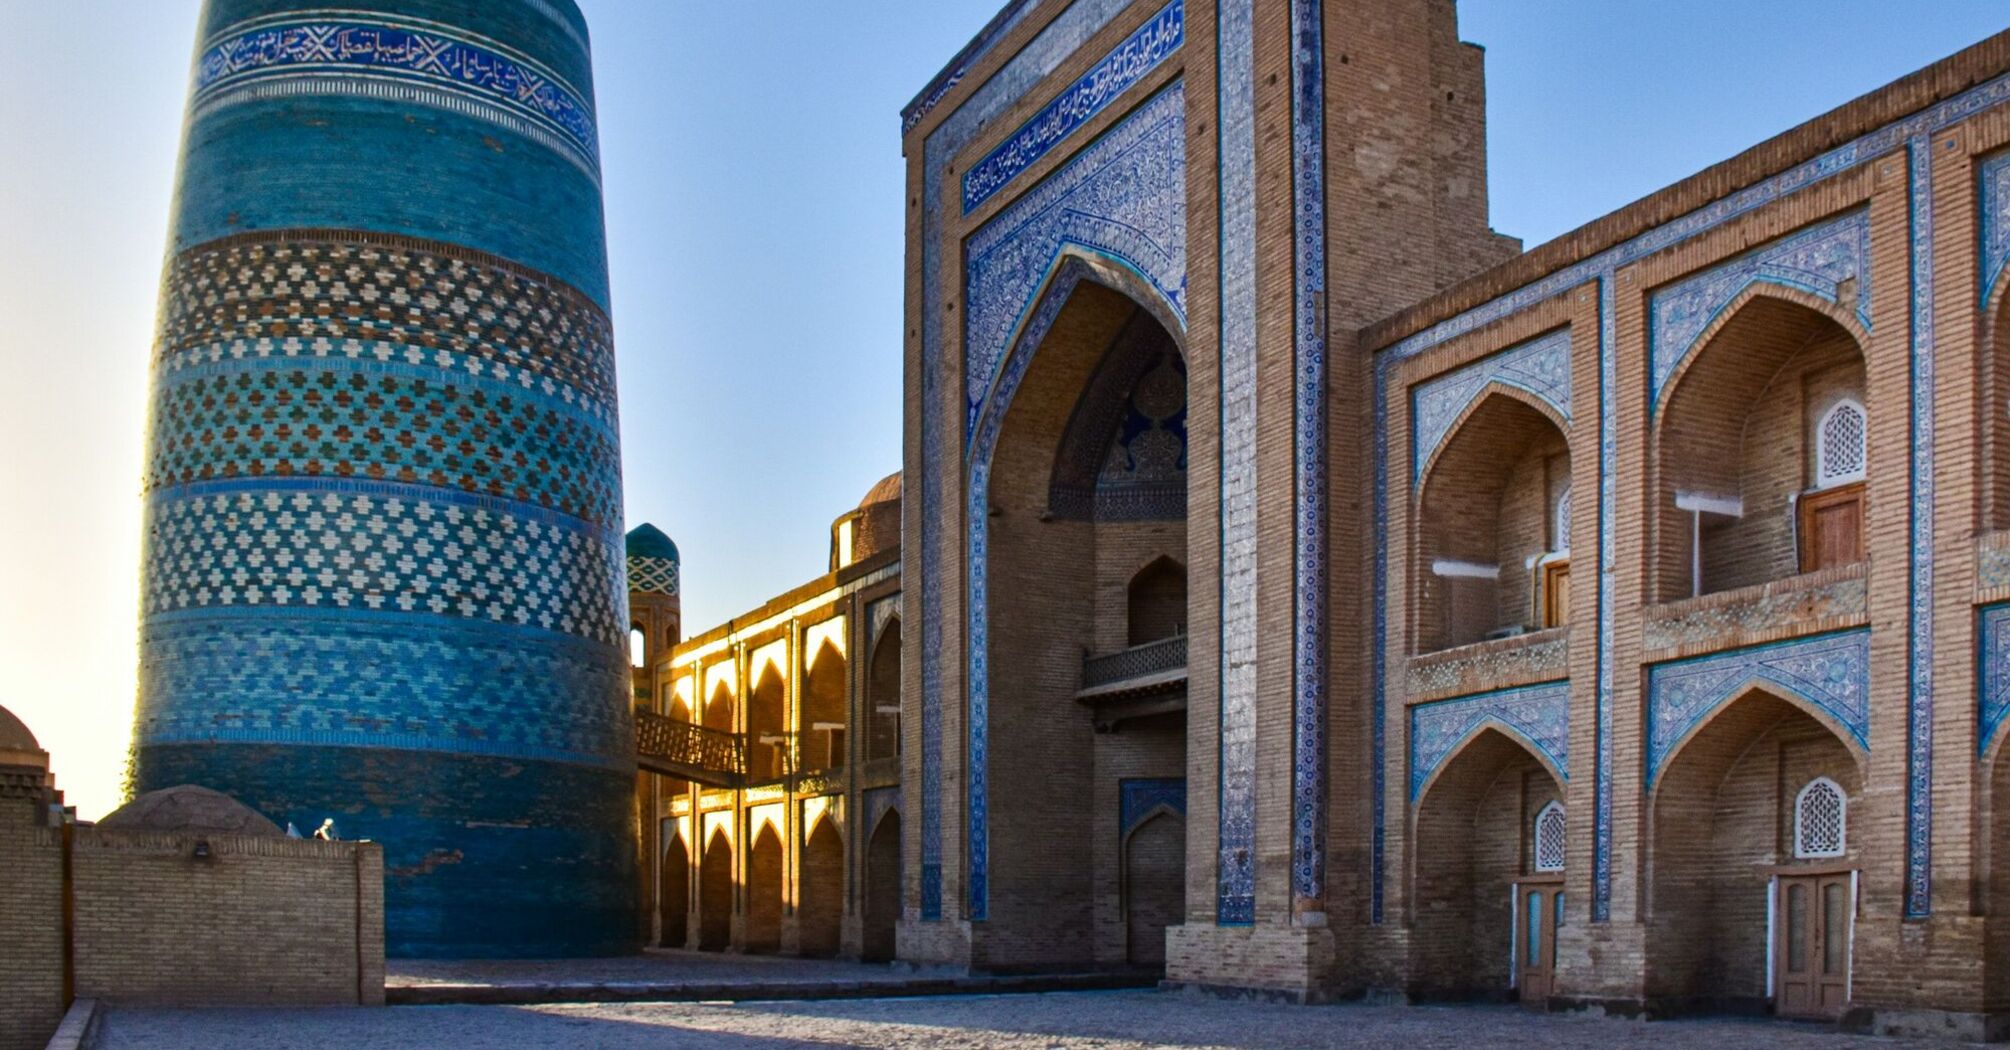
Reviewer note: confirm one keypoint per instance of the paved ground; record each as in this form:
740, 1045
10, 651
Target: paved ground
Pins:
651, 966
1063, 1021
663, 976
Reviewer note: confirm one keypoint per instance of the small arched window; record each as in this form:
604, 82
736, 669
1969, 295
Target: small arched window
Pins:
1821, 820
1839, 444
1549, 838
637, 647
1561, 530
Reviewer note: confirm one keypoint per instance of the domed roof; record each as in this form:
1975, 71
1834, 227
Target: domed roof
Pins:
190, 808
886, 490
648, 541
14, 734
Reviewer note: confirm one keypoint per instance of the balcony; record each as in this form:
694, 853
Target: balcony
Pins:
1138, 682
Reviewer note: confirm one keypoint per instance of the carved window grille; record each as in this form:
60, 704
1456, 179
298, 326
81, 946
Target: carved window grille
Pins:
1562, 527
1821, 819
1549, 838
1840, 456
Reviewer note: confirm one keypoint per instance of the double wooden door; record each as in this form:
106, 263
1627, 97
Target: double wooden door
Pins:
1538, 913
1812, 945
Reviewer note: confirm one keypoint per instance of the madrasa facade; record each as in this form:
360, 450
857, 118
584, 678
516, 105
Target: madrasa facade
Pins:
1291, 585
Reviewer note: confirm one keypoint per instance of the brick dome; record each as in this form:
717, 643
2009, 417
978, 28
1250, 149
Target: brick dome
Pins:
885, 490
190, 808
14, 734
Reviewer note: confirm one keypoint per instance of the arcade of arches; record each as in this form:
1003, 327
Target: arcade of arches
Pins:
1624, 623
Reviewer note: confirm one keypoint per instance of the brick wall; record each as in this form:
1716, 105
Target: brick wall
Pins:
31, 928
259, 922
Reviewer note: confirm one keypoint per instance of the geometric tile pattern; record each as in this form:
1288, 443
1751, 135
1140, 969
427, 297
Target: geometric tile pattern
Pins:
1995, 175
1138, 167
1540, 366
1537, 716
364, 297
1993, 677
1817, 260
1126, 64
335, 50
1123, 196
652, 575
1830, 672
382, 420
372, 547
1139, 798
1235, 859
1920, 608
301, 675
1308, 187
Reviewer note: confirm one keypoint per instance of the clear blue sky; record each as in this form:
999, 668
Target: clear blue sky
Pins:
754, 181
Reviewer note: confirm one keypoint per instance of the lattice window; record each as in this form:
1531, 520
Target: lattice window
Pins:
1562, 528
1839, 445
1821, 819
1549, 838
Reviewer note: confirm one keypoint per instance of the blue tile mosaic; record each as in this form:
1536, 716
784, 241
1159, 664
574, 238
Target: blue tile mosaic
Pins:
1536, 715
376, 547
1608, 496
340, 163
1819, 260
382, 420
1122, 198
1992, 684
423, 682
1603, 267
365, 57
1831, 672
1078, 103
1309, 635
1140, 798
1235, 861
362, 297
936, 419
1919, 621
1540, 367
1995, 196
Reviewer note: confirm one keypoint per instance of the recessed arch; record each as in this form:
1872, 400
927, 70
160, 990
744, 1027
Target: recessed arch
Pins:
1736, 498
1720, 835
1156, 601
1470, 846
1054, 617
1482, 519
1474, 737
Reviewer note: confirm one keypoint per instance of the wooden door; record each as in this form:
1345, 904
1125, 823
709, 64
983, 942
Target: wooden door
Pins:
1812, 948
1556, 593
1538, 914
1832, 527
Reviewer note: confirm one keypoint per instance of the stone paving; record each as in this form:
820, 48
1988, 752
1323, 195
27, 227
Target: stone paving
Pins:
1061, 1021
668, 975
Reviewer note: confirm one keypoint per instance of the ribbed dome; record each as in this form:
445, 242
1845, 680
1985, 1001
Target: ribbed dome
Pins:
14, 734
886, 490
191, 808
648, 541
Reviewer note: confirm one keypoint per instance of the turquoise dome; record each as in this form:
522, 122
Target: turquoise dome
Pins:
648, 541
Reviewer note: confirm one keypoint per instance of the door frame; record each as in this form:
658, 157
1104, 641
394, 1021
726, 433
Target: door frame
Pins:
1810, 870
1516, 919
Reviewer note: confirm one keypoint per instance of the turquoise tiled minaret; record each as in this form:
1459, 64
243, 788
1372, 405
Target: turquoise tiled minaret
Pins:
384, 571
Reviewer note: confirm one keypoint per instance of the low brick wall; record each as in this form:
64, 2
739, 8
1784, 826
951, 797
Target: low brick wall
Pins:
258, 921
